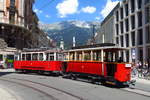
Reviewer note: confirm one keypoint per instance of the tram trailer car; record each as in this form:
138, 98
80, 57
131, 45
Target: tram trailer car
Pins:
115, 74
39, 61
103, 65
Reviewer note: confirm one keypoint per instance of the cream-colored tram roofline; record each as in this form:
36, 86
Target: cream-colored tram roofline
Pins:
43, 52
102, 49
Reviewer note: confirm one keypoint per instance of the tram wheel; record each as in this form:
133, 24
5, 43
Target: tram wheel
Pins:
40, 72
103, 82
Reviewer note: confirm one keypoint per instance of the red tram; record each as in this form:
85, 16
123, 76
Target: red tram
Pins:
38, 60
98, 63
94, 62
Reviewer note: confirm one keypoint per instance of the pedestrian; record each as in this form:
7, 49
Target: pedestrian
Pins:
139, 66
134, 70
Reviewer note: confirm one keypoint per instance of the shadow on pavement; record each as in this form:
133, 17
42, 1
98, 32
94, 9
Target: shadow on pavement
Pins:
98, 83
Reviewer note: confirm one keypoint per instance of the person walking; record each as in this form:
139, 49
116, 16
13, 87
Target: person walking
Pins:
139, 66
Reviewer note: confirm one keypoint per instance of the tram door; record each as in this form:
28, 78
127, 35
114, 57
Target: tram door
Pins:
111, 69
111, 66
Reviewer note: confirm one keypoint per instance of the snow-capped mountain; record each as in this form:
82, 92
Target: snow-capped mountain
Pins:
66, 30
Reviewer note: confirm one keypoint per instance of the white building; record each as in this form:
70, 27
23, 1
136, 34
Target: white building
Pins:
132, 29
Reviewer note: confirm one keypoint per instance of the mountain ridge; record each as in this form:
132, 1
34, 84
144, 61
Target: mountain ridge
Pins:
66, 30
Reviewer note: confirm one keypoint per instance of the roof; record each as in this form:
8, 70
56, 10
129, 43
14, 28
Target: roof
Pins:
102, 46
41, 50
106, 48
95, 45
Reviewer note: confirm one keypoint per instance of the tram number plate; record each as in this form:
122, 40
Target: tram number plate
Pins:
128, 65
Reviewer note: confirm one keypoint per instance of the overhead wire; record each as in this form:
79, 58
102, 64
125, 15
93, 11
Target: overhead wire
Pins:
46, 4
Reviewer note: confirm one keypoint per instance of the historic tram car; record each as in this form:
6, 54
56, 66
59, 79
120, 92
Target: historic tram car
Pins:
101, 62
39, 60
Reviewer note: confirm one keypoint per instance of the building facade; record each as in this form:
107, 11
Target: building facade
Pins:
132, 29
19, 25
105, 33
12, 12
128, 25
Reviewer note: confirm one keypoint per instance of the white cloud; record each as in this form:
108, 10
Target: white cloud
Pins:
108, 7
47, 16
88, 9
38, 11
97, 18
67, 7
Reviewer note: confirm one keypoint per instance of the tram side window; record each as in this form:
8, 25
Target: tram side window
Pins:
50, 57
110, 57
60, 57
34, 56
28, 57
87, 56
23, 56
47, 56
41, 56
98, 56
1, 57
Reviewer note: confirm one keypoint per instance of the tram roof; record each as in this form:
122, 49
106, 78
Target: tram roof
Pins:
41, 50
106, 48
94, 45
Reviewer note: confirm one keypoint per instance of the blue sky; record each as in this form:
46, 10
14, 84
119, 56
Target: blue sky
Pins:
51, 11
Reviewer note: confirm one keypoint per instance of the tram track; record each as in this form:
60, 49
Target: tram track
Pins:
9, 79
10, 94
35, 89
39, 90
